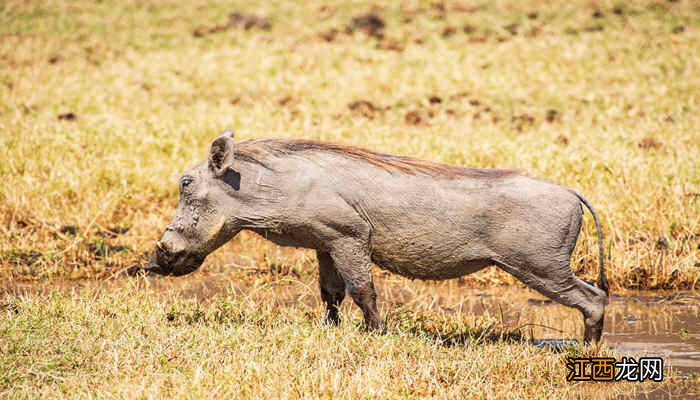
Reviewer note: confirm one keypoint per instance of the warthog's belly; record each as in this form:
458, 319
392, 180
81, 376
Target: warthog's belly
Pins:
430, 268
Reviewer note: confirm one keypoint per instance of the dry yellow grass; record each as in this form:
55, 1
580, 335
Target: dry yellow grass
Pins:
103, 104
262, 337
602, 102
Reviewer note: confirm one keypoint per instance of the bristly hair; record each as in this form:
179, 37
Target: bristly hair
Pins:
258, 150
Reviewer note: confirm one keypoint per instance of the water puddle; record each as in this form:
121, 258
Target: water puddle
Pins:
651, 324
654, 325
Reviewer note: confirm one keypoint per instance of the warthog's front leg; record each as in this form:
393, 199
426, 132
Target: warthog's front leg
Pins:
332, 286
353, 262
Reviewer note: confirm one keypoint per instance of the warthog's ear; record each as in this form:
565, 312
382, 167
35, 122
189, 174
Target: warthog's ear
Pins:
222, 153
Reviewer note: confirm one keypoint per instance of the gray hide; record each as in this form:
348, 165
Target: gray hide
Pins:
356, 207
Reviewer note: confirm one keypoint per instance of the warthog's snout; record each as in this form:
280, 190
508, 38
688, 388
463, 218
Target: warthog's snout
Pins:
171, 257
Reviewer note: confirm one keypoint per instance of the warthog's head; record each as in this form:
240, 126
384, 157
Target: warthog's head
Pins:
205, 215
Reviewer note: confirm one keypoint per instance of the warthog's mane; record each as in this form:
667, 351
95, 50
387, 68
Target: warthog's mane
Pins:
259, 151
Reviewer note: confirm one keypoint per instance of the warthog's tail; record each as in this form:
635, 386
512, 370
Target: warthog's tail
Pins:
602, 280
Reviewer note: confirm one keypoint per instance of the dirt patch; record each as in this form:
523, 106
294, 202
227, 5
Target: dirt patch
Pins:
413, 118
522, 120
435, 100
678, 29
207, 30
438, 10
469, 29
551, 115
248, 21
329, 35
593, 28
236, 20
422, 110
365, 108
562, 140
285, 101
369, 23
649, 143
324, 12
69, 230
391, 44
463, 8
512, 28
536, 31
69, 116
477, 39
459, 96
585, 29
448, 31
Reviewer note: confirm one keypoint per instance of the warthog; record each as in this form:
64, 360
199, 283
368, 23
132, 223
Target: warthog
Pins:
356, 207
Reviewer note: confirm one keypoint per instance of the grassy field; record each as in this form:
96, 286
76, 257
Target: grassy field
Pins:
103, 104
262, 337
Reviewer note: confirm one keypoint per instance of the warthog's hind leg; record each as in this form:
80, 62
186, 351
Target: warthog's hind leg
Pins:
332, 286
559, 284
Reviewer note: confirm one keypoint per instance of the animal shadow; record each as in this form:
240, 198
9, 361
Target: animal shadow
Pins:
452, 335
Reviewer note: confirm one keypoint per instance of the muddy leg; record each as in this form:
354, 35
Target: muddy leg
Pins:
594, 312
586, 298
560, 285
354, 265
332, 287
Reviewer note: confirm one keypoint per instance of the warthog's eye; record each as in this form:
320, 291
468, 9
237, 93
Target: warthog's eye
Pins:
184, 182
